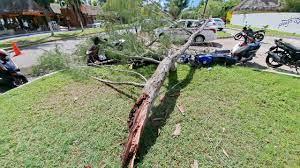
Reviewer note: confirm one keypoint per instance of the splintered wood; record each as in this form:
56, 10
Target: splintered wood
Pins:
139, 114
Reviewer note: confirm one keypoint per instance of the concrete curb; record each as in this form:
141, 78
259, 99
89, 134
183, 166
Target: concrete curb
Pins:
36, 79
281, 73
277, 72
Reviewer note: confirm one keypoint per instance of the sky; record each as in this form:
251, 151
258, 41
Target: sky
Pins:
194, 3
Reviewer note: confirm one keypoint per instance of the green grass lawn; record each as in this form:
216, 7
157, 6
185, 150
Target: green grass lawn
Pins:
46, 38
222, 34
269, 32
61, 121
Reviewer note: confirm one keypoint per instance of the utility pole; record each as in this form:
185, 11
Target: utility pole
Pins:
203, 15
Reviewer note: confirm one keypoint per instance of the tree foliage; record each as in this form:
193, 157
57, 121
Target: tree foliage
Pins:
126, 10
176, 7
215, 8
293, 5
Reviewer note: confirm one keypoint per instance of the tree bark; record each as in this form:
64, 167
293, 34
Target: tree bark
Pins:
48, 21
139, 114
77, 9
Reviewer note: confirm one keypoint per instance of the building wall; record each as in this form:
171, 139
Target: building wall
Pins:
286, 22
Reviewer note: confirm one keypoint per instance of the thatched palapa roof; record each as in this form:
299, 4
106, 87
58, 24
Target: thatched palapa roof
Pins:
259, 5
18, 6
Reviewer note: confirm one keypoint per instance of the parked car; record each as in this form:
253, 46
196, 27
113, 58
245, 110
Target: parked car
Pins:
219, 23
184, 28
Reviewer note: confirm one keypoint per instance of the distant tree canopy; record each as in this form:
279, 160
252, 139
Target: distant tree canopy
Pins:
176, 7
293, 5
126, 10
215, 8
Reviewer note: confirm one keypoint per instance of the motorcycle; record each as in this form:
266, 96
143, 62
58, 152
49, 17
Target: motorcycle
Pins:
257, 35
9, 71
221, 57
283, 53
245, 51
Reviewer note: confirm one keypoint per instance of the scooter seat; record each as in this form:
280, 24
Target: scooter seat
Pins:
295, 48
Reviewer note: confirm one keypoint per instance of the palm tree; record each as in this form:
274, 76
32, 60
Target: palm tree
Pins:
46, 6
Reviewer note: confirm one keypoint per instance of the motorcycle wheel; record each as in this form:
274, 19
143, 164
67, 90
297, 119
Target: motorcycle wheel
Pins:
19, 80
259, 37
270, 61
238, 36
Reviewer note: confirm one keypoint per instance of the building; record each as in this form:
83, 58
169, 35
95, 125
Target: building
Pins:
87, 14
260, 13
21, 16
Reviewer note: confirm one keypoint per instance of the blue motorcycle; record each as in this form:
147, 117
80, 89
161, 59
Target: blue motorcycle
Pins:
9, 71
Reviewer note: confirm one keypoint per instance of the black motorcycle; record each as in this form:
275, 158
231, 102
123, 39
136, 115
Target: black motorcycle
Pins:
257, 35
9, 72
283, 54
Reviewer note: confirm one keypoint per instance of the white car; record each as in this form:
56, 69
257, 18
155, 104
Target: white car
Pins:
182, 29
97, 24
219, 23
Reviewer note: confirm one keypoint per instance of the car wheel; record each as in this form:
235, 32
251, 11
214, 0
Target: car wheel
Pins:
199, 39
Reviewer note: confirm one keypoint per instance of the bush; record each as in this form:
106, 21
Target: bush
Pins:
52, 61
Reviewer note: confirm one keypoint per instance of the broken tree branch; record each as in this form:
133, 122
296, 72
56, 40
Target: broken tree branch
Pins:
118, 83
151, 43
142, 57
139, 114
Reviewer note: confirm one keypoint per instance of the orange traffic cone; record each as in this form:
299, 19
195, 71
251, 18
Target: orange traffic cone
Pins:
16, 49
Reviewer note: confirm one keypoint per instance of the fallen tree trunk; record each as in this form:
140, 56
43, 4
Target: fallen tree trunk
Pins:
139, 114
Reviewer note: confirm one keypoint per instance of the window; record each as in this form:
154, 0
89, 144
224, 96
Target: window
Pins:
189, 24
181, 24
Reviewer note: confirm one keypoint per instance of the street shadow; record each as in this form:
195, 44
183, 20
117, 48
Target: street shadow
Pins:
261, 67
254, 65
161, 113
39, 46
208, 44
4, 87
128, 95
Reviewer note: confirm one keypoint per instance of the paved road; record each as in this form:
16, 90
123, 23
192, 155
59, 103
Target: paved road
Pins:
31, 54
259, 60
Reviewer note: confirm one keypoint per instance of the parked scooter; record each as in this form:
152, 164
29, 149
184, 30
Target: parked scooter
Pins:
241, 52
9, 72
257, 35
283, 53
246, 50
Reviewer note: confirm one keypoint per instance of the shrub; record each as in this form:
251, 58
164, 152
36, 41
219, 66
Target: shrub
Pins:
52, 61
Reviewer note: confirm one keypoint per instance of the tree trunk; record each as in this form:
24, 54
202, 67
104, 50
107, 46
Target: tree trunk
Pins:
48, 21
140, 111
77, 9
